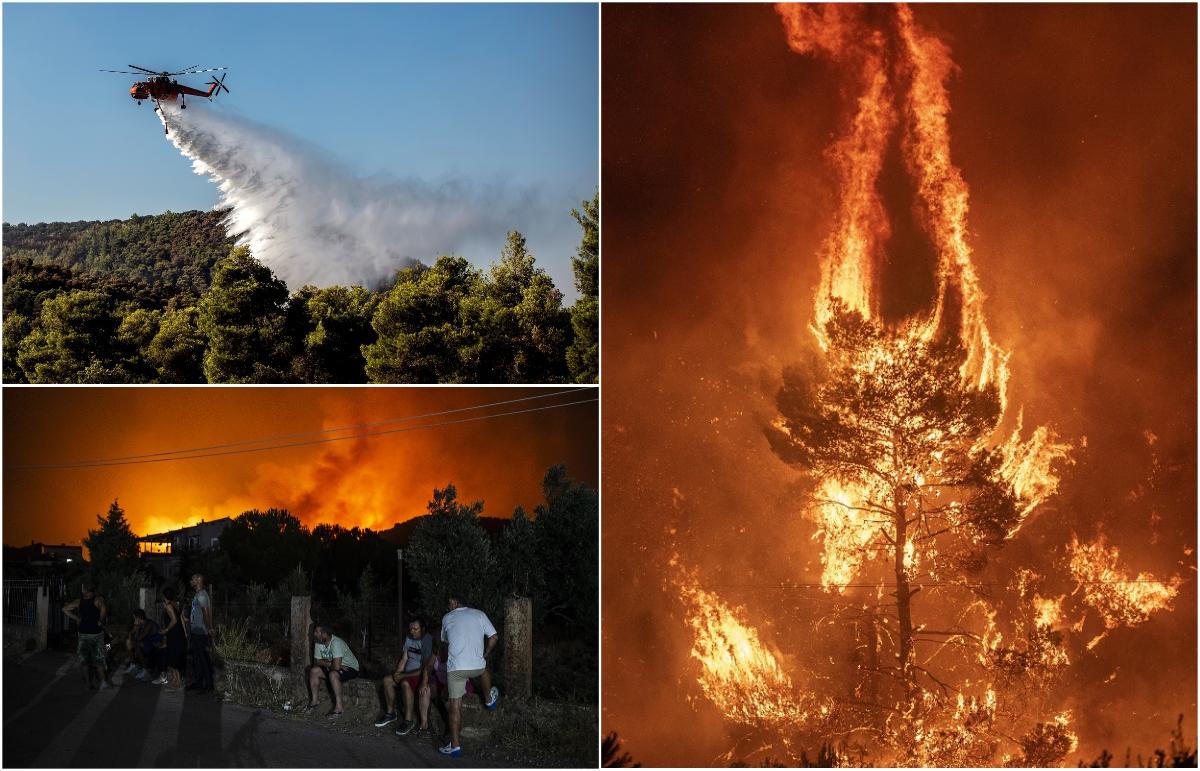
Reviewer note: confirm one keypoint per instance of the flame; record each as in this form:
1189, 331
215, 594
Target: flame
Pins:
1047, 611
846, 531
739, 674
1119, 599
899, 76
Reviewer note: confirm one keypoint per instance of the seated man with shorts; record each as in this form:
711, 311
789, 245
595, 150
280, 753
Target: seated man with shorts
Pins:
412, 677
332, 661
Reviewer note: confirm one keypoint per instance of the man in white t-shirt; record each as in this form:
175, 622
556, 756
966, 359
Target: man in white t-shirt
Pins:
469, 638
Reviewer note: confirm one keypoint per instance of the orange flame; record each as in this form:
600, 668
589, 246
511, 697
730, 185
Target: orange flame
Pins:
899, 63
739, 674
1119, 599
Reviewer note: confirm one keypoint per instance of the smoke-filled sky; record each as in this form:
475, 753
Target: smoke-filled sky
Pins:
371, 481
1075, 130
472, 95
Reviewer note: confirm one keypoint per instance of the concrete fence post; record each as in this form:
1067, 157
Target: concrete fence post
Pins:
146, 596
301, 640
43, 618
518, 647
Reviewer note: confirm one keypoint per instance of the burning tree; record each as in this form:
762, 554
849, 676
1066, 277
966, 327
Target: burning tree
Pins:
907, 477
918, 473
911, 494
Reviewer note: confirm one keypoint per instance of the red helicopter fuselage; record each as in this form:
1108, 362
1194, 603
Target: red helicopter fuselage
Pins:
165, 90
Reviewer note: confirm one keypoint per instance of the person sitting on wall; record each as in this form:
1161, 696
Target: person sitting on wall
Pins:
142, 644
412, 678
334, 662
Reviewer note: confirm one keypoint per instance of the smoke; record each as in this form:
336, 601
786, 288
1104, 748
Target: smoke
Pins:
313, 222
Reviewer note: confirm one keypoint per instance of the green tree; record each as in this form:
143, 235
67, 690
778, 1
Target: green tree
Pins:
343, 553
243, 318
566, 537
138, 327
17, 327
75, 341
583, 357
331, 326
421, 326
264, 547
356, 605
112, 549
523, 329
449, 552
177, 349
518, 559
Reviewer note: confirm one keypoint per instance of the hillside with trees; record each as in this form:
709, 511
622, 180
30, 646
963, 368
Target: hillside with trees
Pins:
171, 298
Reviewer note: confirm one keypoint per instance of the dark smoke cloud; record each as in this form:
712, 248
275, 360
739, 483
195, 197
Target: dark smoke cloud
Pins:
1075, 129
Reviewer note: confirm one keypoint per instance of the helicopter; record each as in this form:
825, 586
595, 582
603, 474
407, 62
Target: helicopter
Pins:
162, 87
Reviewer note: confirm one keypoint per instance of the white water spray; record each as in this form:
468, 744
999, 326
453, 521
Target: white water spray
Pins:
312, 222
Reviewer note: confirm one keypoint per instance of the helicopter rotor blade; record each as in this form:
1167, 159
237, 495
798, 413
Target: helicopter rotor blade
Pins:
143, 69
194, 71
123, 72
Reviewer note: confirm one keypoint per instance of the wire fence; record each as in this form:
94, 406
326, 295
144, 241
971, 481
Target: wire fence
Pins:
20, 602
255, 627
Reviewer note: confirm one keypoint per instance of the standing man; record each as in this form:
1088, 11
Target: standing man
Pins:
200, 623
469, 638
412, 676
90, 613
333, 661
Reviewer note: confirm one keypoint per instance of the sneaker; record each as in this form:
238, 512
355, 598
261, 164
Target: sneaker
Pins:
451, 750
307, 708
388, 717
405, 728
159, 681
129, 669
493, 698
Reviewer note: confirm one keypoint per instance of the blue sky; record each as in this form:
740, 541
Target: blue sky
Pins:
490, 93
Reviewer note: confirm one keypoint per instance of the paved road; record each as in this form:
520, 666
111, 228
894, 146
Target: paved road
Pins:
51, 719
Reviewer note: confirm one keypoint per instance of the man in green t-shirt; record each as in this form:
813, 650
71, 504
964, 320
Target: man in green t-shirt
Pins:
332, 661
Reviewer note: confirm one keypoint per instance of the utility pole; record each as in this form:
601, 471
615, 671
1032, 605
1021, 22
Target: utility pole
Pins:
400, 593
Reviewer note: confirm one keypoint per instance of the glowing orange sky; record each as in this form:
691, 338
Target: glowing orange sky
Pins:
372, 482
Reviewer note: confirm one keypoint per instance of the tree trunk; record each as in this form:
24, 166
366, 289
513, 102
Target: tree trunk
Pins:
904, 601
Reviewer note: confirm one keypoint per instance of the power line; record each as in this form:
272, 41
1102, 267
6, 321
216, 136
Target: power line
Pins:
97, 461
296, 444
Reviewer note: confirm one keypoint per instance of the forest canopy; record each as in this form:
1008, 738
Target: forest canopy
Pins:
171, 298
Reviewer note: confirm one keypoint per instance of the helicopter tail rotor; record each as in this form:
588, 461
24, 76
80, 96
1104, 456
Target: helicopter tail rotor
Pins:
218, 85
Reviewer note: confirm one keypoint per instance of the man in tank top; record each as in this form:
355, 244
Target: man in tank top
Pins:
90, 612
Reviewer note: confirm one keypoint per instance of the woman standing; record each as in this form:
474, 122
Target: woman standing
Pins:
176, 652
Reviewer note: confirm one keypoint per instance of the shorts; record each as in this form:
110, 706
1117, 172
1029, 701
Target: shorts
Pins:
414, 681
91, 649
456, 681
346, 673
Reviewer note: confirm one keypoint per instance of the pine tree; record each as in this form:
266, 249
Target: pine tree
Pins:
583, 357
